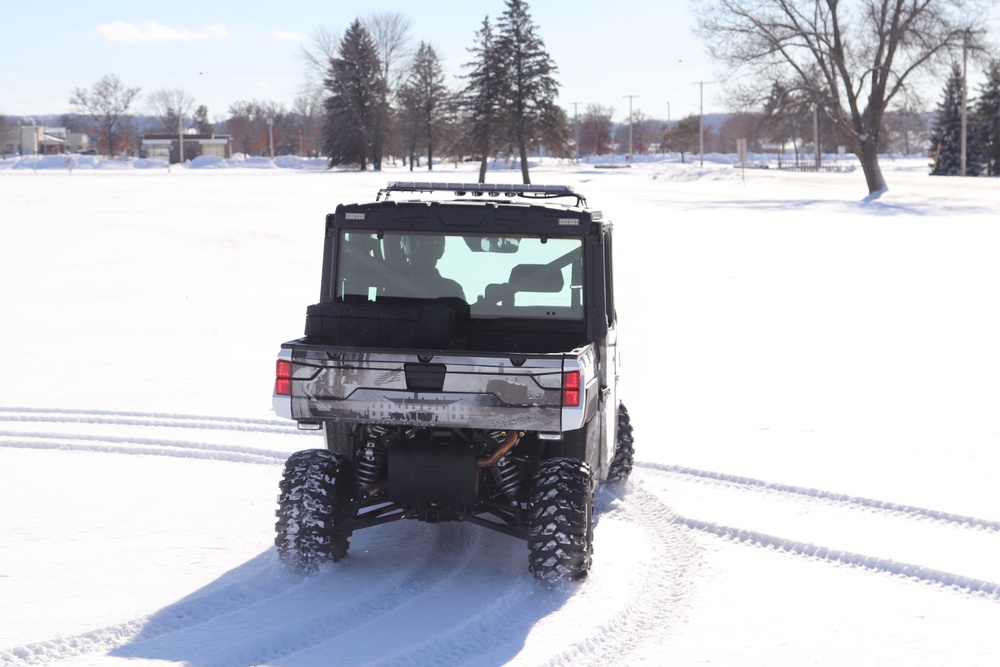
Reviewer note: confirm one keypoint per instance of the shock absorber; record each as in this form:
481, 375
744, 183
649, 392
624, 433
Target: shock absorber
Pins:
508, 478
371, 463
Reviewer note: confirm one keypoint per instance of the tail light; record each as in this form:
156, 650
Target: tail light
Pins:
571, 389
283, 378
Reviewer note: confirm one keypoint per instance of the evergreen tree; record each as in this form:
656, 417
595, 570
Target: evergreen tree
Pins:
987, 117
427, 97
201, 120
407, 121
356, 88
683, 137
481, 98
946, 134
529, 110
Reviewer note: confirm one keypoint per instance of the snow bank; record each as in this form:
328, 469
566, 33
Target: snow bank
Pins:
70, 162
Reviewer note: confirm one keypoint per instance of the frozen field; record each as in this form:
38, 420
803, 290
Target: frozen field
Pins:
813, 377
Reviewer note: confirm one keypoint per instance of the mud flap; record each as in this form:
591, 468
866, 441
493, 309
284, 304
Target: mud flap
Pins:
433, 472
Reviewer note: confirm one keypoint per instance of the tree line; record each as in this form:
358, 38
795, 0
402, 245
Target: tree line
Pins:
844, 68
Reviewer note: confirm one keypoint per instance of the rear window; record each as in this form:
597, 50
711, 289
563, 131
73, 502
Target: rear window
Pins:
512, 276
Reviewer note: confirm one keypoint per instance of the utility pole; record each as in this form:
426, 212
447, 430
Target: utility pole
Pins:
180, 136
576, 134
701, 122
630, 123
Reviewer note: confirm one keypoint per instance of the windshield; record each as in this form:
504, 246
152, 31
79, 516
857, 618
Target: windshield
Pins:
515, 276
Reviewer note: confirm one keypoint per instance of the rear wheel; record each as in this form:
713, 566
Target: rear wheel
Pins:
561, 520
621, 463
339, 437
315, 495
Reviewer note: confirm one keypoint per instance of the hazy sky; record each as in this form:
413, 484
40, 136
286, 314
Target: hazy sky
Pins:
223, 51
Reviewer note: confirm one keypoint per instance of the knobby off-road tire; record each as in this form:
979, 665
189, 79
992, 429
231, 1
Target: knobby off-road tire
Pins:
314, 495
339, 437
621, 463
561, 520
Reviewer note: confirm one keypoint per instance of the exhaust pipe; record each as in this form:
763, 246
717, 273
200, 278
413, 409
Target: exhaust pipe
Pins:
505, 446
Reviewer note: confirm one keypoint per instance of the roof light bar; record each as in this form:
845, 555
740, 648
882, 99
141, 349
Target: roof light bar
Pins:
488, 189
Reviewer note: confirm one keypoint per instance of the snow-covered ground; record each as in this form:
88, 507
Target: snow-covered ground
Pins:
813, 377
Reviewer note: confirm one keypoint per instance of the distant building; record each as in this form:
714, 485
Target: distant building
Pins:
167, 146
38, 140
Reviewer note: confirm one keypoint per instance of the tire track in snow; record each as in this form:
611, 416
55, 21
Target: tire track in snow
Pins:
909, 510
201, 422
264, 592
213, 624
874, 563
141, 446
107, 443
958, 582
346, 630
259, 587
658, 599
519, 606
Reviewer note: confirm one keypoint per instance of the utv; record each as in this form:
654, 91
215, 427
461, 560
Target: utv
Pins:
462, 365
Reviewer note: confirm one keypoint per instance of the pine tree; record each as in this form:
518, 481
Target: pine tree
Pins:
427, 97
529, 110
201, 121
355, 83
481, 98
946, 134
987, 117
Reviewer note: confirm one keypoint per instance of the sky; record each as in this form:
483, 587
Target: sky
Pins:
635, 52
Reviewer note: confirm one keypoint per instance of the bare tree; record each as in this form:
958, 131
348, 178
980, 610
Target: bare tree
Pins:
5, 140
309, 115
906, 130
107, 102
169, 107
738, 126
390, 33
644, 129
850, 58
595, 130
317, 57
253, 124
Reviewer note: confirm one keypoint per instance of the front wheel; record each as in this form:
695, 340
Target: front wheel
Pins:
621, 463
314, 496
561, 520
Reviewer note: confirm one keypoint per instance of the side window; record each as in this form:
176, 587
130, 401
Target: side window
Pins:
360, 259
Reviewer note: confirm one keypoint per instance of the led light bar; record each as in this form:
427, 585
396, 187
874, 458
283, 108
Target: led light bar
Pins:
488, 189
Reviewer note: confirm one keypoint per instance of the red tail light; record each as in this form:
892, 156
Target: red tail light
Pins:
571, 389
283, 378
